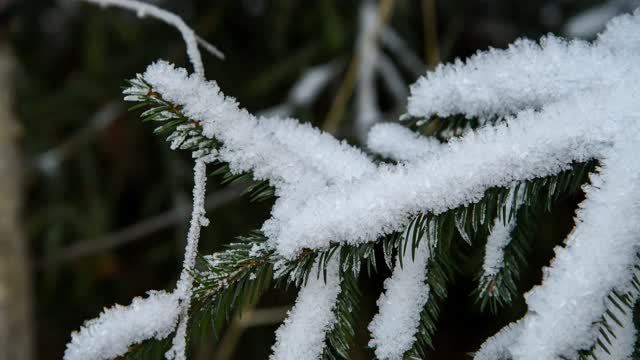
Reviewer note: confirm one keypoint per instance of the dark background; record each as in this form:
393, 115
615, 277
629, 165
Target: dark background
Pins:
93, 170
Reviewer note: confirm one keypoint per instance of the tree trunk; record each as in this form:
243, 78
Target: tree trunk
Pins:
15, 278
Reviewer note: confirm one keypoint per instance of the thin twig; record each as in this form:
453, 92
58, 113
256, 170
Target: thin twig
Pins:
430, 18
250, 317
136, 231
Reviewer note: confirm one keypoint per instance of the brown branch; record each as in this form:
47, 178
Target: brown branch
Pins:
336, 111
430, 19
16, 332
136, 231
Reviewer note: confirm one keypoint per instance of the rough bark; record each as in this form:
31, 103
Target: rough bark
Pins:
15, 278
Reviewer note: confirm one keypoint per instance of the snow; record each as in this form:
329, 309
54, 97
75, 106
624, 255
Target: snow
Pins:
521, 149
393, 329
497, 346
527, 75
303, 333
281, 150
400, 143
191, 40
118, 327
356, 202
500, 235
598, 257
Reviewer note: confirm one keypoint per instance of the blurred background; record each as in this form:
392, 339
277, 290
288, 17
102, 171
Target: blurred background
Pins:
94, 207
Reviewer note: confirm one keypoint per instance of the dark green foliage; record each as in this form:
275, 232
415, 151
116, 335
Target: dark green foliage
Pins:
340, 338
149, 349
230, 279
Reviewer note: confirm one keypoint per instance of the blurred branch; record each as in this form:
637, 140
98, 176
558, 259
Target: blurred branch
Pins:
49, 161
430, 18
331, 122
16, 332
250, 317
137, 231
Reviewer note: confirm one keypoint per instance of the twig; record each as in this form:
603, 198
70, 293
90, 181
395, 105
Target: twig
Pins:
345, 91
136, 231
250, 318
191, 40
432, 50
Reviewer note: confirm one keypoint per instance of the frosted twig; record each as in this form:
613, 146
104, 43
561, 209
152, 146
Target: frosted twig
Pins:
184, 288
191, 40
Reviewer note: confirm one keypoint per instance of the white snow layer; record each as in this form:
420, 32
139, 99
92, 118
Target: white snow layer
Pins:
393, 329
118, 327
401, 144
303, 333
500, 235
598, 256
526, 75
497, 346
320, 202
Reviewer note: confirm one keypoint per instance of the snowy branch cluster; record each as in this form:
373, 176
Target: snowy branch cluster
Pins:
559, 103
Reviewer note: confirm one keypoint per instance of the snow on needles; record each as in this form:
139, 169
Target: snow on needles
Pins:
401, 144
357, 202
500, 235
302, 336
393, 329
526, 75
110, 335
598, 256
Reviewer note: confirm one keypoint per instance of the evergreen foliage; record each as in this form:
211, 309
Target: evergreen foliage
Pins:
237, 276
